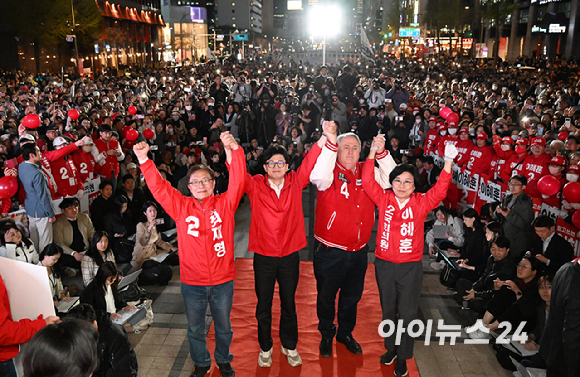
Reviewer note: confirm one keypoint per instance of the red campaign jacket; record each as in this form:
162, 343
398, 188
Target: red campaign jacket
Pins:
431, 141
480, 161
66, 176
502, 159
205, 232
513, 166
536, 167
111, 163
13, 333
400, 232
464, 148
85, 164
277, 226
447, 139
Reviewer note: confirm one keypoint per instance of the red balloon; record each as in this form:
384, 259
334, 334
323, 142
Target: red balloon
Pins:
132, 110
8, 187
132, 134
444, 112
572, 192
129, 144
31, 121
453, 117
563, 136
532, 189
549, 185
148, 133
576, 219
124, 130
73, 114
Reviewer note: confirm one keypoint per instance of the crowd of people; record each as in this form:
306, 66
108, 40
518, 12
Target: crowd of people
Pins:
210, 133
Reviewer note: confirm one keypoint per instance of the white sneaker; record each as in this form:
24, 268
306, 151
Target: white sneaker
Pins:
294, 358
478, 334
469, 329
265, 359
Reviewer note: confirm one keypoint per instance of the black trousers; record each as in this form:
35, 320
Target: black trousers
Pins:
335, 270
285, 271
399, 289
70, 261
478, 304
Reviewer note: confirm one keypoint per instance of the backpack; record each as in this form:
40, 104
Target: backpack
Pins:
449, 276
155, 273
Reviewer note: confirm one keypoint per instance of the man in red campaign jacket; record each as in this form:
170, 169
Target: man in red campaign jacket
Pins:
205, 233
432, 138
464, 147
400, 246
556, 167
85, 161
451, 138
65, 173
107, 154
480, 157
536, 164
345, 216
515, 164
276, 235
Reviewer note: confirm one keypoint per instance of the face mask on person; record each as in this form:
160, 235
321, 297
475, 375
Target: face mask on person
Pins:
520, 149
443, 132
472, 131
494, 87
554, 170
170, 131
505, 147
515, 137
175, 118
188, 108
361, 101
452, 131
570, 177
418, 120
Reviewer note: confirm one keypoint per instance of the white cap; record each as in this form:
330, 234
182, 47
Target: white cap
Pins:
58, 141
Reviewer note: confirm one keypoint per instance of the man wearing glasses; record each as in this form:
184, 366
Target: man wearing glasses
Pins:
517, 213
205, 233
276, 234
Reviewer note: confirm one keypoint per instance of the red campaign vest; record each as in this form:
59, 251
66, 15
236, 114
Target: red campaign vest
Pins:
111, 163
536, 167
464, 148
66, 176
45, 166
431, 141
447, 139
85, 164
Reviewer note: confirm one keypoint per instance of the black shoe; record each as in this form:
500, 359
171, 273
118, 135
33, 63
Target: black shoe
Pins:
388, 358
351, 344
226, 370
326, 347
401, 368
200, 371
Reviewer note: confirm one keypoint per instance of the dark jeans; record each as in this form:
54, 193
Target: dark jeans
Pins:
478, 304
7, 369
285, 271
399, 289
335, 270
70, 261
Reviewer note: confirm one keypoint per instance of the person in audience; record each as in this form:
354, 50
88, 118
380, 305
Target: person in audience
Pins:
499, 266
454, 235
65, 349
473, 255
535, 336
135, 197
102, 205
98, 253
517, 214
432, 172
514, 300
148, 240
13, 333
205, 230
118, 357
14, 246
72, 232
399, 249
550, 248
560, 342
50, 258
119, 226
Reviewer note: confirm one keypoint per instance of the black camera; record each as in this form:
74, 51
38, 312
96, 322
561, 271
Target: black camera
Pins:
375, 87
242, 79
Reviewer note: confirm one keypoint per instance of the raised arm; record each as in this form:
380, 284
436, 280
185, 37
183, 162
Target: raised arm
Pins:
322, 174
236, 163
386, 163
370, 185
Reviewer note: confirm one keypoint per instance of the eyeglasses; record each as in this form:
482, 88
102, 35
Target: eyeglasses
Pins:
204, 181
522, 266
398, 182
514, 184
272, 164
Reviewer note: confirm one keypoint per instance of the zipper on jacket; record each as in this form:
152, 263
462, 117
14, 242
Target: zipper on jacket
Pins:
206, 253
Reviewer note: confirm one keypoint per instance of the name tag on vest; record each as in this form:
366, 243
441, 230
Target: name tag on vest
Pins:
342, 177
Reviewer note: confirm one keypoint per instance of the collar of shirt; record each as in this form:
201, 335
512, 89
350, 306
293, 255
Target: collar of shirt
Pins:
547, 241
277, 189
402, 205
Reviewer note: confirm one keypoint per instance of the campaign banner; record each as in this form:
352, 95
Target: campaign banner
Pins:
467, 184
570, 233
537, 206
91, 192
548, 210
490, 191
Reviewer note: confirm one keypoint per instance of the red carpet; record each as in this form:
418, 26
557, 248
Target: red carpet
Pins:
342, 363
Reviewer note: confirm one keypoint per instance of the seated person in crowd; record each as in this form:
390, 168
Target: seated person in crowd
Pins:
72, 232
148, 241
550, 249
135, 197
453, 236
119, 226
14, 246
118, 357
472, 269
473, 252
99, 252
102, 205
499, 266
50, 258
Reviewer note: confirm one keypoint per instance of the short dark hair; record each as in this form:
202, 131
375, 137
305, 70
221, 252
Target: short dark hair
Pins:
543, 221
502, 242
533, 262
520, 178
104, 184
406, 168
274, 150
428, 160
126, 177
199, 167
66, 349
118, 203
28, 149
68, 202
83, 312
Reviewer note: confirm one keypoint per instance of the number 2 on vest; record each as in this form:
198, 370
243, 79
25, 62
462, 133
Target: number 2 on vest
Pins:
194, 225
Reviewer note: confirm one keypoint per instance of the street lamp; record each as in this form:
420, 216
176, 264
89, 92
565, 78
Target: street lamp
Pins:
324, 21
